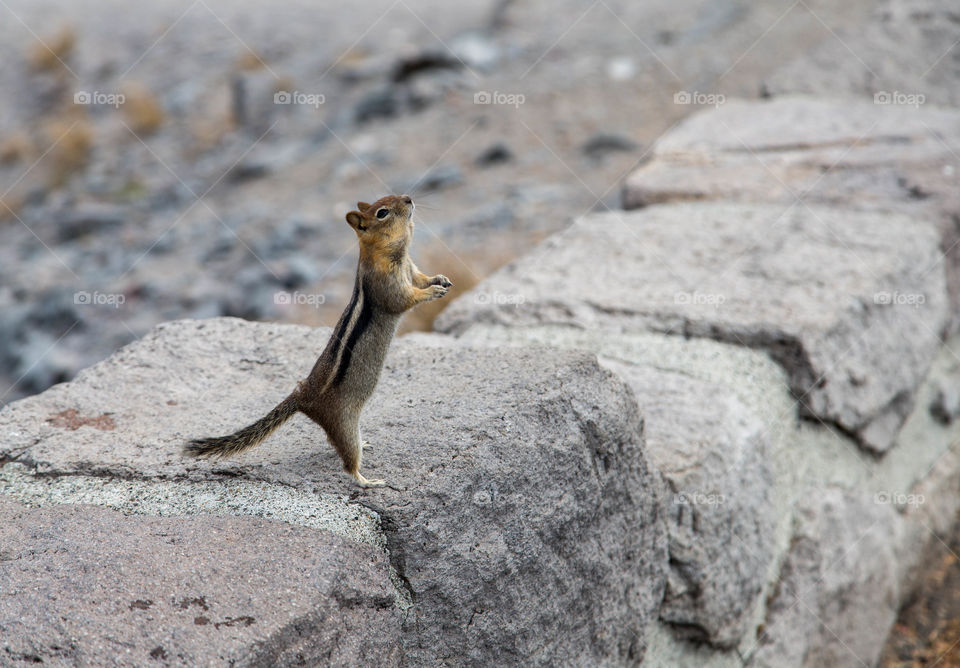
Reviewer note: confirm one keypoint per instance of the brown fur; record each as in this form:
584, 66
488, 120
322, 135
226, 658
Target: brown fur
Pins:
387, 284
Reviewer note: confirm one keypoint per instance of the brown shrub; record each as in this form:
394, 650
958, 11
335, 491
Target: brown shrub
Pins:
250, 61
52, 52
10, 205
142, 110
71, 139
15, 148
464, 272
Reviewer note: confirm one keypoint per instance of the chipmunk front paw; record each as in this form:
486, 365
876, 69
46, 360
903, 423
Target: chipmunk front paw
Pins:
438, 291
441, 280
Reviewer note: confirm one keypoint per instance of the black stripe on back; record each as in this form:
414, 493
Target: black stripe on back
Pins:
363, 322
345, 318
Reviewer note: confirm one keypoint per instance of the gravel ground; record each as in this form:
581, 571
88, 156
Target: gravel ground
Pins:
196, 195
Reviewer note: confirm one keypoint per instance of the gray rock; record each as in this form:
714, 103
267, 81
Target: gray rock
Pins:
29, 334
436, 178
479, 50
424, 63
603, 143
254, 107
423, 91
713, 452
795, 150
905, 45
90, 586
946, 405
523, 517
88, 218
287, 236
495, 154
849, 305
838, 593
384, 102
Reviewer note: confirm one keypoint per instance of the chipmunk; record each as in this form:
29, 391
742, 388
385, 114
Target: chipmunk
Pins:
343, 378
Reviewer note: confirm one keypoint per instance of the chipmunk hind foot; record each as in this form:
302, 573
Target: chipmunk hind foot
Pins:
363, 482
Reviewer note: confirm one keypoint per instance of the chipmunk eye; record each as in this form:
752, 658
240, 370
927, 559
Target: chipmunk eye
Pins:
382, 213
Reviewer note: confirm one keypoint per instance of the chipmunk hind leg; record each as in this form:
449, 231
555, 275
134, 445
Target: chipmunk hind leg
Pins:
345, 439
352, 455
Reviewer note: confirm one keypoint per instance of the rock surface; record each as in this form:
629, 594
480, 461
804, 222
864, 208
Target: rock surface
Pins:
840, 560
523, 521
89, 586
902, 46
681, 297
849, 305
795, 150
714, 453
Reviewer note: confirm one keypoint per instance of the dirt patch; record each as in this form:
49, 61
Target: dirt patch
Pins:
927, 632
72, 420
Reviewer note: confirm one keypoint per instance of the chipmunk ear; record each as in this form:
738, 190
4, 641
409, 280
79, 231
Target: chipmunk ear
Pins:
363, 206
356, 221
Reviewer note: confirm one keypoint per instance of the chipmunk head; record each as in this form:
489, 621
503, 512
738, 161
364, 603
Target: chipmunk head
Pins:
387, 217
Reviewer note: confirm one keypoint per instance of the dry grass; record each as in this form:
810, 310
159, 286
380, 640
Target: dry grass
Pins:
284, 83
142, 109
208, 132
10, 205
71, 138
50, 53
250, 61
463, 271
15, 148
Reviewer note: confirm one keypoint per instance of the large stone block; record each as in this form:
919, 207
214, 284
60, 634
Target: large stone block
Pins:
523, 523
838, 592
713, 452
796, 151
904, 47
852, 305
88, 586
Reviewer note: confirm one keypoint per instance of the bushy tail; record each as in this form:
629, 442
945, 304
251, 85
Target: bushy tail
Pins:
246, 438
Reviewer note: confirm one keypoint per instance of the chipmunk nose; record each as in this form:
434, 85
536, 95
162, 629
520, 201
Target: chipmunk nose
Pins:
406, 198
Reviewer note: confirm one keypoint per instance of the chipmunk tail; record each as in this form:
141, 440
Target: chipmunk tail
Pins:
246, 438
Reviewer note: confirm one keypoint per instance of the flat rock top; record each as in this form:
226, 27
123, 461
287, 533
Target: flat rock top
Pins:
850, 303
130, 414
511, 471
799, 123
797, 270
851, 153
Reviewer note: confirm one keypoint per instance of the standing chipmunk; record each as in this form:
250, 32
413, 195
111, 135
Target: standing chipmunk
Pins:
343, 378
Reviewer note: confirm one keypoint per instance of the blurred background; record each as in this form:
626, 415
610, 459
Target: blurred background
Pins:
191, 159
